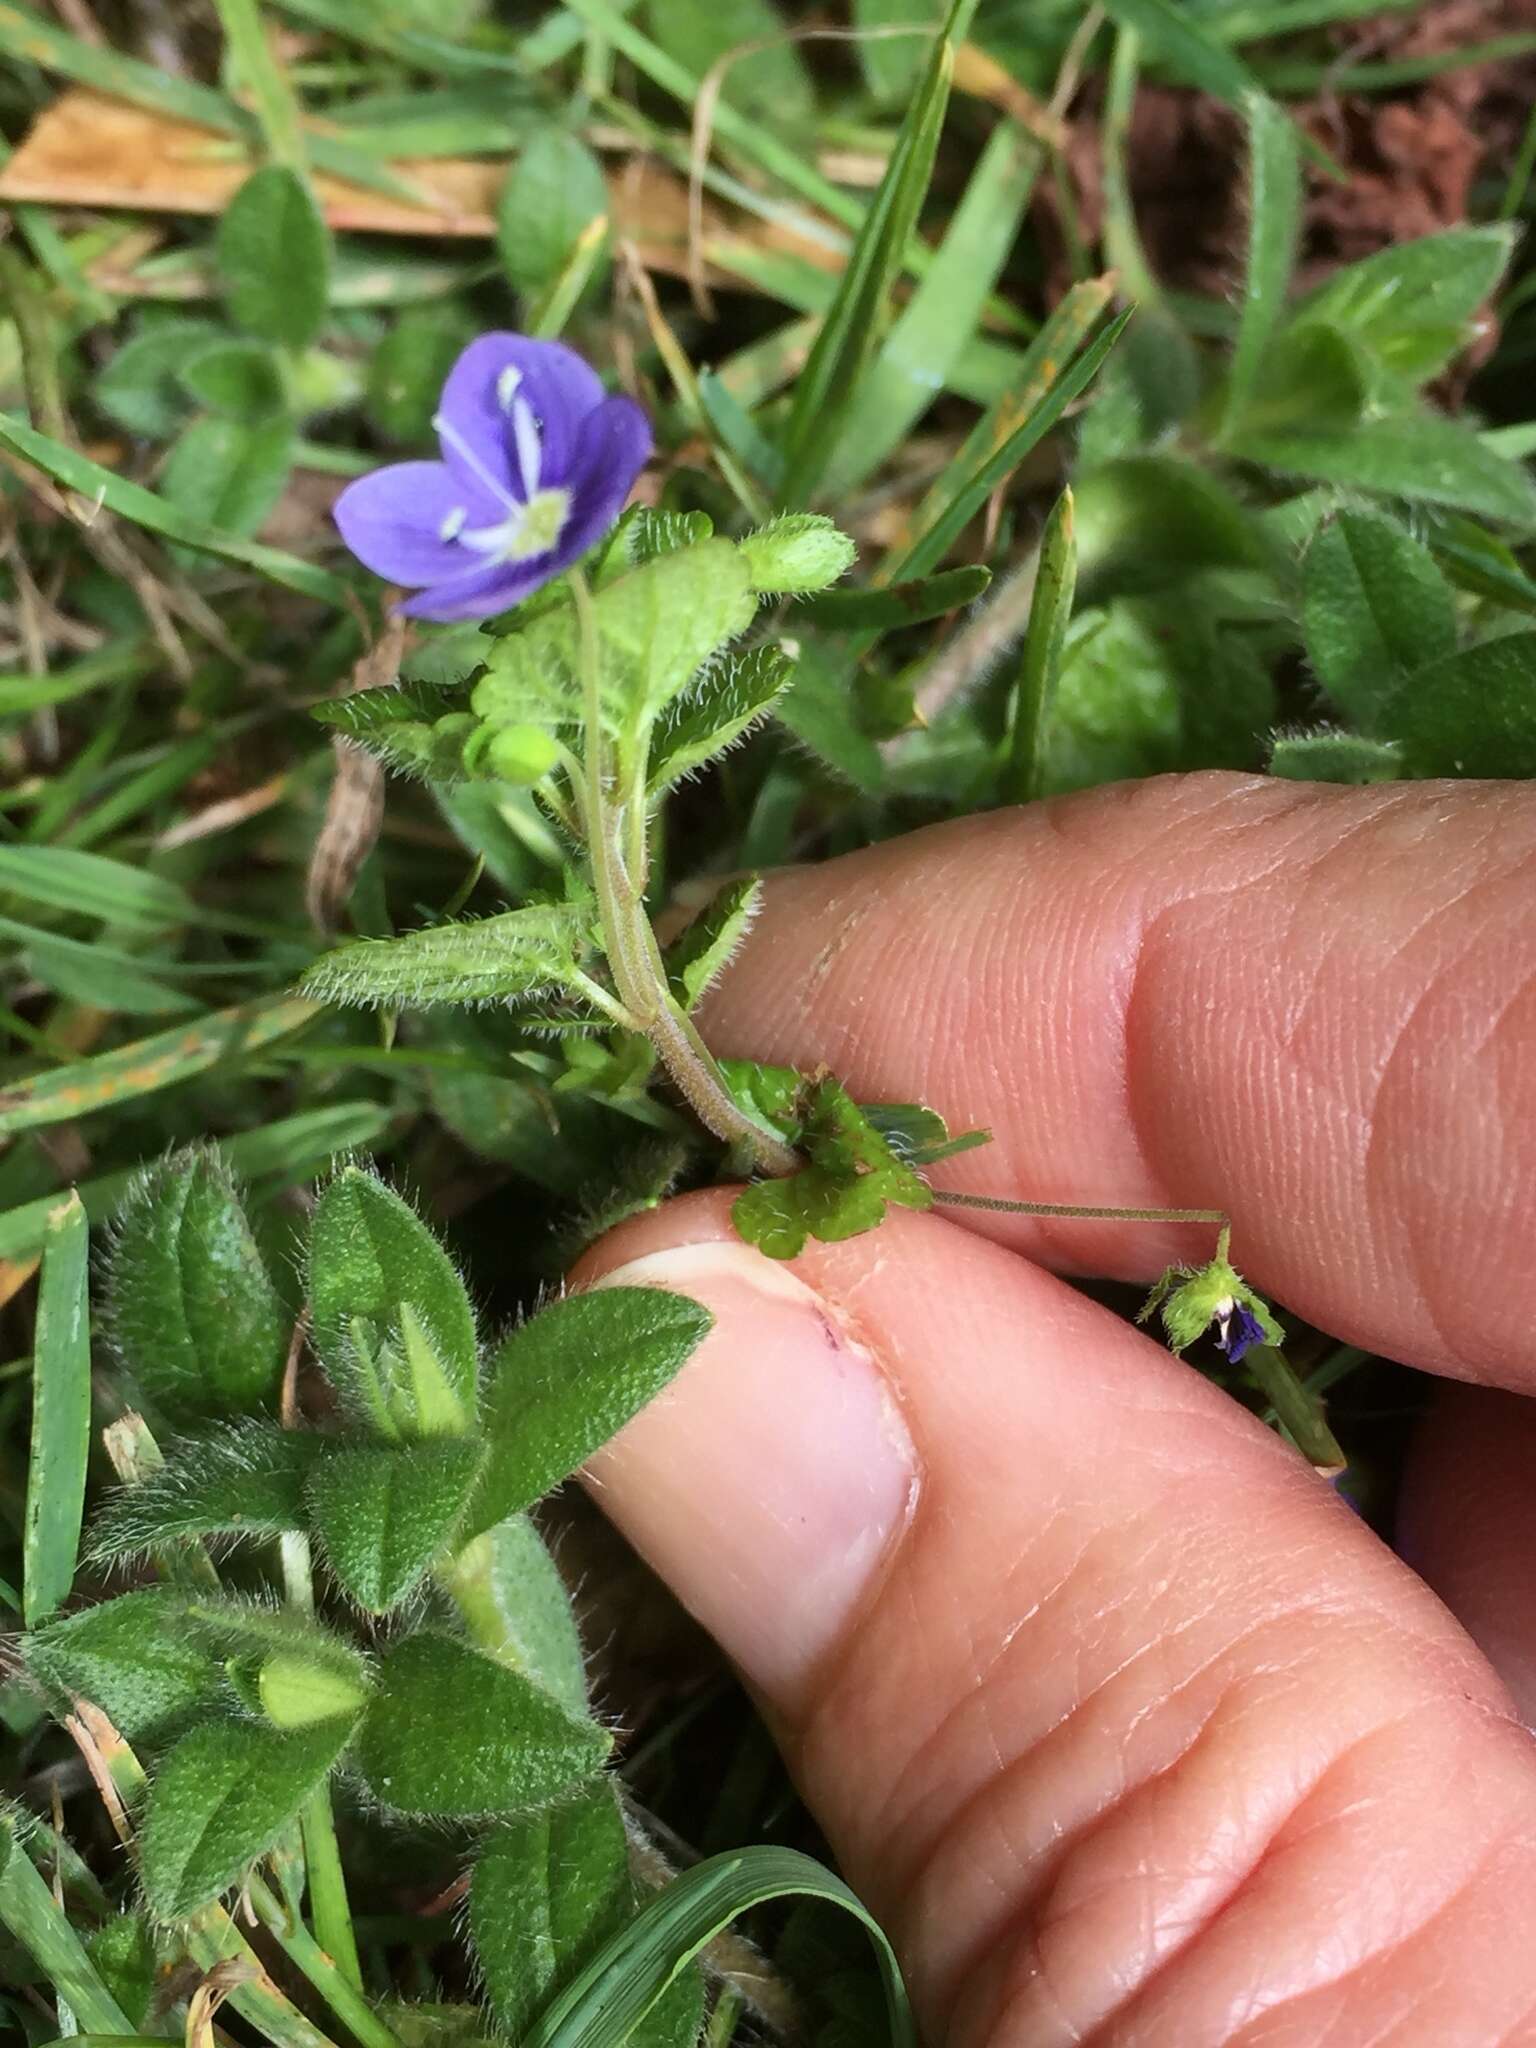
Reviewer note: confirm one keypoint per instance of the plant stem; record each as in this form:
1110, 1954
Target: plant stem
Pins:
1296, 1407
311, 1960
328, 1904
634, 957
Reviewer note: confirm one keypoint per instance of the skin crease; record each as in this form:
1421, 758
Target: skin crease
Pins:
1132, 1732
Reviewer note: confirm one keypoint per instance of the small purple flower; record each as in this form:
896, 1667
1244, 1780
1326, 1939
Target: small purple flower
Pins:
1238, 1329
537, 463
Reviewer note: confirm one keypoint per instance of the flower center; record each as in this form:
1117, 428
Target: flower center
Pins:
527, 530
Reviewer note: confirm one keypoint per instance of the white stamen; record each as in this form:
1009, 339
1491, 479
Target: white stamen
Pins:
531, 529
451, 437
453, 525
530, 444
506, 386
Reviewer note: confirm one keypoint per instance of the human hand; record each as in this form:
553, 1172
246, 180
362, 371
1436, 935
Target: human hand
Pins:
1128, 1729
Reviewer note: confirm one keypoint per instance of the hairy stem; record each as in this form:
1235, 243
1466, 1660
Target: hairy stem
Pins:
1076, 1209
633, 954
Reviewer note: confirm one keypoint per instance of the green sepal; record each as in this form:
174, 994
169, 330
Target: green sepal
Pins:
197, 1322
852, 1176
454, 1733
568, 1380
244, 1480
384, 1512
138, 1658
1192, 1298
220, 1799
389, 1316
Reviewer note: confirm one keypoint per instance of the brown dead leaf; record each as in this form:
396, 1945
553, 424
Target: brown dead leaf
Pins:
354, 810
85, 149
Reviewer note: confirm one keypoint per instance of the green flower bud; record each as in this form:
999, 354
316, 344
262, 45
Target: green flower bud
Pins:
521, 753
296, 1693
800, 552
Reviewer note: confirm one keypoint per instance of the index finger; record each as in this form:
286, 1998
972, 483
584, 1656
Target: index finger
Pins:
1313, 1008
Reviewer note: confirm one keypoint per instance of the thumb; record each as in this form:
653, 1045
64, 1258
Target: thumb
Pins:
1125, 1726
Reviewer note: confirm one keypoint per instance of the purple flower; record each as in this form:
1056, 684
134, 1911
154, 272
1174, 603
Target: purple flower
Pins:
537, 464
1238, 1329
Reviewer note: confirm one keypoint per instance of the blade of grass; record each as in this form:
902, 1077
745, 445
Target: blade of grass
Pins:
828, 387
103, 976
121, 661
61, 1415
1392, 76
1045, 636
275, 106
969, 499
982, 370
628, 1974
1274, 220
930, 334
112, 1078
90, 885
78, 473
40, 1924
960, 492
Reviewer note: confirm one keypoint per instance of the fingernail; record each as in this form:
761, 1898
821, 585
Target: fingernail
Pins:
768, 1483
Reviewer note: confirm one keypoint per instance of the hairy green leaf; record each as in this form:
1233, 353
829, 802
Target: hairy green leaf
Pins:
1470, 713
734, 694
495, 960
548, 1890
220, 1798
1375, 608
507, 1585
704, 950
1424, 458
196, 1320
1411, 303
569, 1379
384, 1512
1335, 757
657, 625
389, 1315
135, 1657
457, 1734
241, 1481
1274, 219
